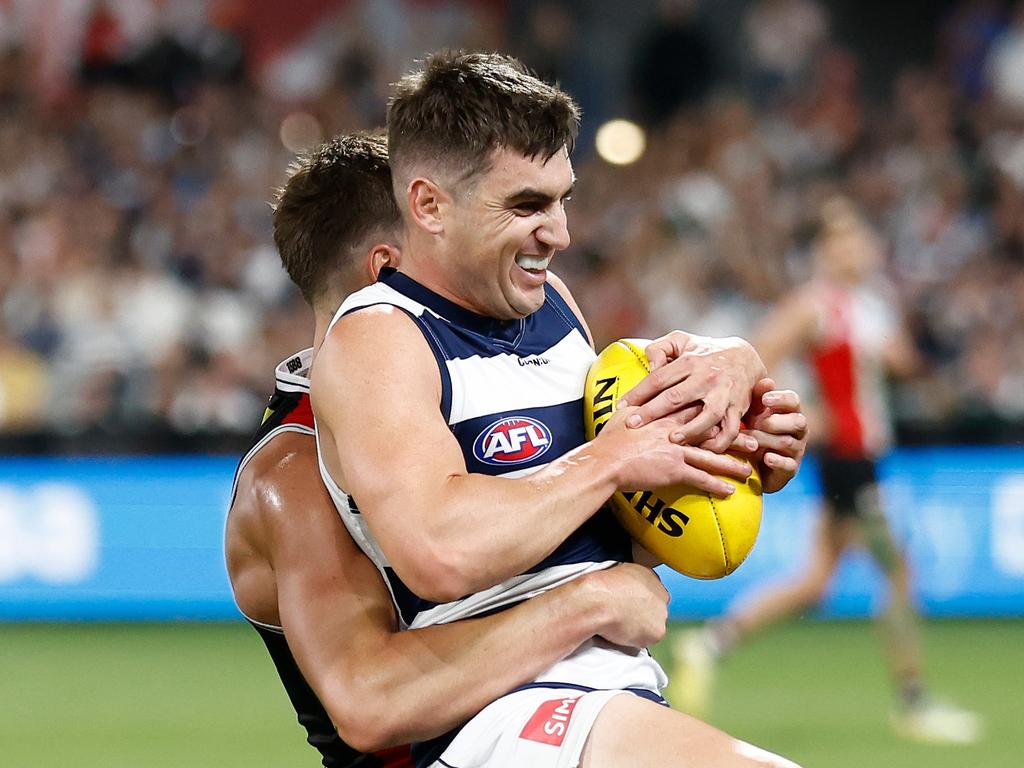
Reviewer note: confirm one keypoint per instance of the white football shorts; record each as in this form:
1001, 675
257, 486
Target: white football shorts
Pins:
536, 727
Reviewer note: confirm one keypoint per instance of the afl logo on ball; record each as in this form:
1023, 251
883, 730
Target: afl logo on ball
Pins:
513, 440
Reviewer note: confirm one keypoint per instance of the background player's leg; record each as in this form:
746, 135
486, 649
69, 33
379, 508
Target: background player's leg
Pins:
696, 653
915, 715
632, 732
780, 601
898, 622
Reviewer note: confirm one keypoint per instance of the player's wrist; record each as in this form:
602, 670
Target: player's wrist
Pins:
601, 464
592, 605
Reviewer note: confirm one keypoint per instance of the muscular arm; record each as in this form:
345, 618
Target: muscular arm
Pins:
383, 687
448, 532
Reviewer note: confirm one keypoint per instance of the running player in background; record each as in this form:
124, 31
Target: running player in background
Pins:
320, 606
844, 323
448, 400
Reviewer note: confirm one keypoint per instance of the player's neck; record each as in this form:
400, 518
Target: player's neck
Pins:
322, 321
427, 270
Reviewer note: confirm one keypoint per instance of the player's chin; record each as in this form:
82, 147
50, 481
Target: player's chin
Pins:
525, 299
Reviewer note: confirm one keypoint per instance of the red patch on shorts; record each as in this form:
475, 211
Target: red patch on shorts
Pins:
550, 722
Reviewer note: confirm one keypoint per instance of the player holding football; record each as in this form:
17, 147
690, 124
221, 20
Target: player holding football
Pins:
448, 409
842, 322
317, 602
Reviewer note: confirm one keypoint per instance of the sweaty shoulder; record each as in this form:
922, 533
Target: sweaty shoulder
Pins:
280, 481
273, 477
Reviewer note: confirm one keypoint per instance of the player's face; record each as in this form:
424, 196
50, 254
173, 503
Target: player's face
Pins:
504, 230
852, 256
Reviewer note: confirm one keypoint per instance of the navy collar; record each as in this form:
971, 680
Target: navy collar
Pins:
507, 331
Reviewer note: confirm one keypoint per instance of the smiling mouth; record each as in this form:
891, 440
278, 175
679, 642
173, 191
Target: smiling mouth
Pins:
533, 263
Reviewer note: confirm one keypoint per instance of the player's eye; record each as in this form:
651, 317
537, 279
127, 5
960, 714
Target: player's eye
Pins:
527, 209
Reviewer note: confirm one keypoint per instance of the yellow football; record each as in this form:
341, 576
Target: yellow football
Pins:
691, 532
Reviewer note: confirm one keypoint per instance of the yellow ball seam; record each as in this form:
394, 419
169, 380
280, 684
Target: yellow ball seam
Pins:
721, 536
640, 356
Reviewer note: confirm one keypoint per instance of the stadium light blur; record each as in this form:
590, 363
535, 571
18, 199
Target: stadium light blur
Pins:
300, 130
621, 142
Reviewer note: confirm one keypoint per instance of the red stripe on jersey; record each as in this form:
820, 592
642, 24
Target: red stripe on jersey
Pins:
395, 757
837, 382
301, 414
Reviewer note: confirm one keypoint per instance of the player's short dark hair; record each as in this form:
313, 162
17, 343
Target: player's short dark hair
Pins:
462, 106
336, 196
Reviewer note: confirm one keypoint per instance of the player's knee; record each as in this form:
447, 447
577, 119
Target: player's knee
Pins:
811, 591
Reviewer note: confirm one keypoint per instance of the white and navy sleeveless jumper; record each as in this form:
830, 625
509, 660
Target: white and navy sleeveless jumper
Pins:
512, 395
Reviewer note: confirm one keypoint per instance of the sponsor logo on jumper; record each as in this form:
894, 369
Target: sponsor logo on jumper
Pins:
512, 440
532, 360
550, 722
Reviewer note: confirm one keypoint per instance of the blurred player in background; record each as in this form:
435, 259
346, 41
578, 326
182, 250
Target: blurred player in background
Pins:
318, 603
843, 321
440, 389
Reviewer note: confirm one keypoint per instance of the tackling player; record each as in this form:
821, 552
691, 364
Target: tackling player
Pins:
448, 400
845, 326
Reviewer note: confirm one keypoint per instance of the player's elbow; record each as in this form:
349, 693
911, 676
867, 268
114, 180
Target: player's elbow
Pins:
440, 578
440, 569
365, 727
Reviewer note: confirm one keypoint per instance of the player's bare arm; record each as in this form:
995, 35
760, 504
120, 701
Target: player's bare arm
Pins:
448, 532
789, 328
293, 564
901, 356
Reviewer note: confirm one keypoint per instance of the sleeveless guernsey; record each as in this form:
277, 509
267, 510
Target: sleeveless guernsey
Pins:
512, 395
854, 325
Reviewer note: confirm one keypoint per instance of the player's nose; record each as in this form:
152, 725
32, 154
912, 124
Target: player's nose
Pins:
554, 232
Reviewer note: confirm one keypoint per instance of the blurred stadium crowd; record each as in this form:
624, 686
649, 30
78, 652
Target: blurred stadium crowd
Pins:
141, 296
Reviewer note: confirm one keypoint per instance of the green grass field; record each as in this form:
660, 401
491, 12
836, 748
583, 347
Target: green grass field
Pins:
154, 696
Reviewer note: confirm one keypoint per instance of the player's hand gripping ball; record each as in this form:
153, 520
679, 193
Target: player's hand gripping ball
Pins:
690, 531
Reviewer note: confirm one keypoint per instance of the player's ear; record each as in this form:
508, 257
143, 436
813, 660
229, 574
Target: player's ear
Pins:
426, 204
381, 255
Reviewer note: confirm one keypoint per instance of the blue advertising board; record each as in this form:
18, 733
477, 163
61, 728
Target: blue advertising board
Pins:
140, 538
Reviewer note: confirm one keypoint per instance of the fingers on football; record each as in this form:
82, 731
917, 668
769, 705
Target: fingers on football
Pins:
745, 442
702, 426
664, 349
727, 435
793, 424
762, 387
781, 400
656, 356
785, 444
662, 391
784, 464
716, 463
704, 481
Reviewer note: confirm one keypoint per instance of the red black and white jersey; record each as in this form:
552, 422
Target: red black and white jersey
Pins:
848, 358
289, 411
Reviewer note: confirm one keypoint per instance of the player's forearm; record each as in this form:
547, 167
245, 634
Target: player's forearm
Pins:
477, 531
439, 677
